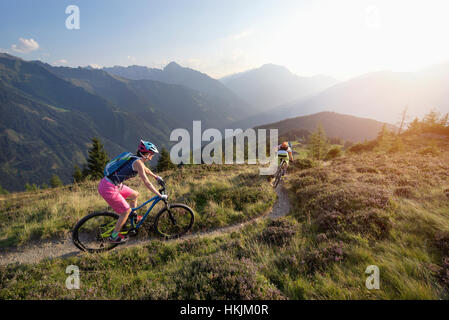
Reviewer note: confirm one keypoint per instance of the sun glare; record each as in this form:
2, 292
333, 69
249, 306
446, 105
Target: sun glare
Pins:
353, 37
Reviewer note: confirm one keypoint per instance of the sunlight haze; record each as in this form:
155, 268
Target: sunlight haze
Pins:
341, 39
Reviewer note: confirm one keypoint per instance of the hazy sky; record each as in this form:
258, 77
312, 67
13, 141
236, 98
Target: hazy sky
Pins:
341, 38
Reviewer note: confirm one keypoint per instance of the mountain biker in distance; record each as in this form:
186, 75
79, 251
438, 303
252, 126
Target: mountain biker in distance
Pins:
112, 189
284, 152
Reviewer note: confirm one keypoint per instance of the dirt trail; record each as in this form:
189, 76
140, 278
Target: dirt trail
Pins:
40, 250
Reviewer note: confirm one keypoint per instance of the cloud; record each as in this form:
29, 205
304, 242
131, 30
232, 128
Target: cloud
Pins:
131, 58
61, 61
25, 45
244, 34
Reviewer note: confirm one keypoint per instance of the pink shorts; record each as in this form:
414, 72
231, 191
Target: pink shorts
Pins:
115, 195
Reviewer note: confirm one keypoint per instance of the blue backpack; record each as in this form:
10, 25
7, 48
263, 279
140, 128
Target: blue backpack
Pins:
118, 162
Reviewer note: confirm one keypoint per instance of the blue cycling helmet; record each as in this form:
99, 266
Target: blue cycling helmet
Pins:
146, 146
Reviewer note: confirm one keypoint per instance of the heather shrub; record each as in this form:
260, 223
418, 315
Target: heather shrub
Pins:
370, 223
289, 262
301, 164
348, 198
330, 223
444, 273
333, 153
308, 193
220, 277
319, 259
406, 192
373, 179
319, 174
189, 245
301, 182
367, 223
366, 170
403, 182
279, 232
430, 150
363, 147
237, 248
442, 242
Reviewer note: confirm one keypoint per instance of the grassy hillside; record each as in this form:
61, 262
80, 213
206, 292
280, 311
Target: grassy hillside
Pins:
219, 195
387, 207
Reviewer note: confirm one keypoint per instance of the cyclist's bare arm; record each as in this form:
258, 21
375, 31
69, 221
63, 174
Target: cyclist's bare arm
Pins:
148, 171
140, 168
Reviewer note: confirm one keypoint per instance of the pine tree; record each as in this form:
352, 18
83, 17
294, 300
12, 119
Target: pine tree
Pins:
31, 187
414, 126
164, 162
77, 174
382, 133
318, 144
55, 181
97, 160
431, 119
3, 190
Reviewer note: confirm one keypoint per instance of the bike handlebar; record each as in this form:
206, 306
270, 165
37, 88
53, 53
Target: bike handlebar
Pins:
162, 184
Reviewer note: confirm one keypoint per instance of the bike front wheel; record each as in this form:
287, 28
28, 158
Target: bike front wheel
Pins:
277, 176
91, 232
174, 220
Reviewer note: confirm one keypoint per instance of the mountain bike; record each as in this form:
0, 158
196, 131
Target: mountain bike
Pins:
280, 172
172, 221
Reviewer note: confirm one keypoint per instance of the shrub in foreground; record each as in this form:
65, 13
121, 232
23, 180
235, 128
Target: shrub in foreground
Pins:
319, 259
367, 223
220, 277
278, 232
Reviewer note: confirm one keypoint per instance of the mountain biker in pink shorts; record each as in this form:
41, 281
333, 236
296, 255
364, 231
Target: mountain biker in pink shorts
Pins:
112, 189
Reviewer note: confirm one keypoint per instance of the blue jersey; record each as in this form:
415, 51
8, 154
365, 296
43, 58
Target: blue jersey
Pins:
124, 173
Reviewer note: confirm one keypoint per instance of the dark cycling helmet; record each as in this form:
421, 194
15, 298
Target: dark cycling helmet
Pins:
146, 146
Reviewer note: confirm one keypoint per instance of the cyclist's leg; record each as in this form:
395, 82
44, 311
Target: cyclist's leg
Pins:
111, 194
129, 194
121, 220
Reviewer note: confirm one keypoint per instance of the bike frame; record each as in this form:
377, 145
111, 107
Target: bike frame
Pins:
281, 164
155, 200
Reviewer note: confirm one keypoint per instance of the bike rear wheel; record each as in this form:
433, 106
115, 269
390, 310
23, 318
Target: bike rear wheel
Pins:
91, 232
174, 221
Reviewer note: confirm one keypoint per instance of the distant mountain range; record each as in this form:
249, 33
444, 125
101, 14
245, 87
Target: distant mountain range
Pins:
346, 127
50, 114
271, 85
378, 95
173, 73
383, 95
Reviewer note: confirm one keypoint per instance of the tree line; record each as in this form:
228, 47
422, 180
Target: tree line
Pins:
93, 168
